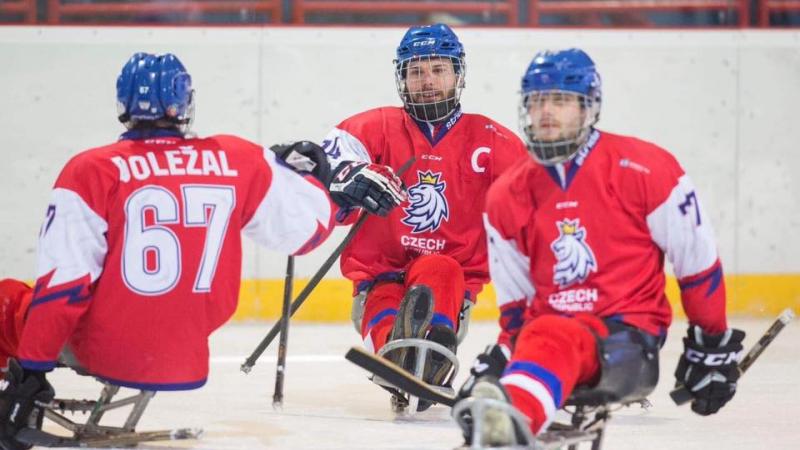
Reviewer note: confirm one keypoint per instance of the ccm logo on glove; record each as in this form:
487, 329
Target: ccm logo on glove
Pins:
711, 359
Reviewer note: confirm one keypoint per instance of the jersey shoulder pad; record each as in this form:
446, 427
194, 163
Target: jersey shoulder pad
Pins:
499, 132
95, 161
642, 167
355, 124
649, 157
229, 141
509, 202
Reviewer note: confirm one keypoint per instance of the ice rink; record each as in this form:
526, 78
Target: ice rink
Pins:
330, 404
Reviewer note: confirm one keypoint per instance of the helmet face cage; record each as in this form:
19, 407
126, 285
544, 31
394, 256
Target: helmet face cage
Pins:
554, 138
430, 85
155, 92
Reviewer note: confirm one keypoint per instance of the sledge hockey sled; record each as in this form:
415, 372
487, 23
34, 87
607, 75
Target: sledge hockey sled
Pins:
91, 433
589, 410
402, 401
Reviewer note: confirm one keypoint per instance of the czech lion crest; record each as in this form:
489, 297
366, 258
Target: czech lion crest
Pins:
574, 258
427, 203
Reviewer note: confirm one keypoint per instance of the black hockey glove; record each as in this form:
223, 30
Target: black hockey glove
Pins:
370, 186
492, 362
19, 393
709, 368
305, 157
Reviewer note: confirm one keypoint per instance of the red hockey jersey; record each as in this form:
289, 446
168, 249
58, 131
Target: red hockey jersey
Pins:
447, 185
140, 253
590, 236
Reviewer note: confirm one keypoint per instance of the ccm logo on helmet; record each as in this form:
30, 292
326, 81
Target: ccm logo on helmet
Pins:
712, 359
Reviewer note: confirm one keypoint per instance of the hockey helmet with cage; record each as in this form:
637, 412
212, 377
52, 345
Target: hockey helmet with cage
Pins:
155, 90
569, 71
428, 42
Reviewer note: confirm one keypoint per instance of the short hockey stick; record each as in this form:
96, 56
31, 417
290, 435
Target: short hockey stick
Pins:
326, 266
398, 377
681, 395
280, 369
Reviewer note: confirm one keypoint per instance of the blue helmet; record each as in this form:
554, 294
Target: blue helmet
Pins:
571, 72
155, 89
427, 42
430, 40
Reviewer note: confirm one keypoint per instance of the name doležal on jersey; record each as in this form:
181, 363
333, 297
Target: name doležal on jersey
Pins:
185, 160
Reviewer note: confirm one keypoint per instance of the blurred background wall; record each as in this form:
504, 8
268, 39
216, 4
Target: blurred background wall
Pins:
723, 101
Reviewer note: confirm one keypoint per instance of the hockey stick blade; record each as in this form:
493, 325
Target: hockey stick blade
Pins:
395, 375
39, 438
681, 395
312, 283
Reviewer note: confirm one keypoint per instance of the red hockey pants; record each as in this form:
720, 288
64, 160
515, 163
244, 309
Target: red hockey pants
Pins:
551, 356
15, 296
441, 273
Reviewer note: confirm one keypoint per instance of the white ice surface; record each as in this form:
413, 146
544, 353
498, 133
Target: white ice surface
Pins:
329, 403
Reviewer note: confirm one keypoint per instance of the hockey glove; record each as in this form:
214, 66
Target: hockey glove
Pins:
305, 157
19, 394
370, 186
709, 367
491, 362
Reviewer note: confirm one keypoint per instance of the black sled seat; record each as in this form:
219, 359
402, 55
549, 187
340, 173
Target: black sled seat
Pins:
629, 373
629, 370
92, 433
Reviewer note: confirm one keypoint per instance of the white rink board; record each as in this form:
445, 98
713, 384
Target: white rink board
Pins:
329, 403
722, 101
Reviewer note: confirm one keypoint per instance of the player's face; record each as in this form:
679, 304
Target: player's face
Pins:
555, 115
431, 80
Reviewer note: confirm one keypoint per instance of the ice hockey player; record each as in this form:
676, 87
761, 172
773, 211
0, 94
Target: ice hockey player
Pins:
140, 252
416, 267
577, 240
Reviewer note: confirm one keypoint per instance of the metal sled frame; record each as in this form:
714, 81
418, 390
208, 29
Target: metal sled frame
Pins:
587, 424
91, 433
423, 349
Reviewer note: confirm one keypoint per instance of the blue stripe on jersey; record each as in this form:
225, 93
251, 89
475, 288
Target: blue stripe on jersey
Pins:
41, 366
71, 294
380, 316
575, 163
156, 386
551, 170
514, 316
147, 133
441, 319
551, 382
441, 130
715, 276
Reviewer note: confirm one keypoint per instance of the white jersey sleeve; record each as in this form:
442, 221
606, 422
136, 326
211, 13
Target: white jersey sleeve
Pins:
340, 146
509, 268
72, 240
294, 212
681, 228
